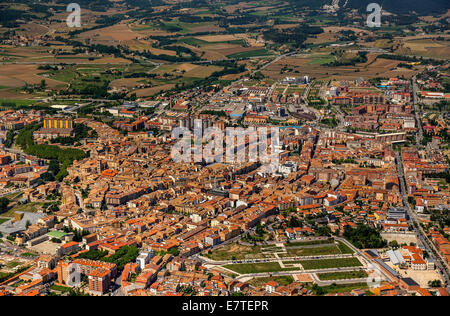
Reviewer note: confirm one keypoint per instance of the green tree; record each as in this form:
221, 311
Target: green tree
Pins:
4, 202
364, 237
435, 283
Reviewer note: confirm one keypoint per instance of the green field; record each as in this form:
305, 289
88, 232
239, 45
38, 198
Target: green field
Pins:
60, 288
344, 248
56, 234
236, 251
193, 41
310, 243
313, 251
31, 207
321, 59
16, 102
12, 264
180, 27
14, 196
339, 288
29, 255
252, 53
248, 268
198, 42
327, 263
342, 275
3, 220
4, 276
282, 280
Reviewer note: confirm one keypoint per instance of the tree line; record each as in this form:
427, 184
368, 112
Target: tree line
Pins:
63, 157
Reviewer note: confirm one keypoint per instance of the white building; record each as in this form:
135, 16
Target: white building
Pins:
144, 258
287, 168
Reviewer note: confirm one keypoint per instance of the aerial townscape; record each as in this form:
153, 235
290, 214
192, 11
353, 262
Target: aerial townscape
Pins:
107, 188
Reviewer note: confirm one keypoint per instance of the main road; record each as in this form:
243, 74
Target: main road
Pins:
421, 235
417, 113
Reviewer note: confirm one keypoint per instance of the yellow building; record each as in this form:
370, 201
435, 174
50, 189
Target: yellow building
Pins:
58, 123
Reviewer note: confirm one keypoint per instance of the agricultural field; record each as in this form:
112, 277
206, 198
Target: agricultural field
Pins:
428, 47
176, 38
315, 66
250, 53
112, 35
153, 90
13, 77
188, 70
321, 59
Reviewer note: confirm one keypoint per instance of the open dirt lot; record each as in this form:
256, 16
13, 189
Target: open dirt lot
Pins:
126, 82
151, 91
421, 277
189, 70
146, 45
400, 238
428, 47
47, 247
112, 35
305, 277
217, 38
